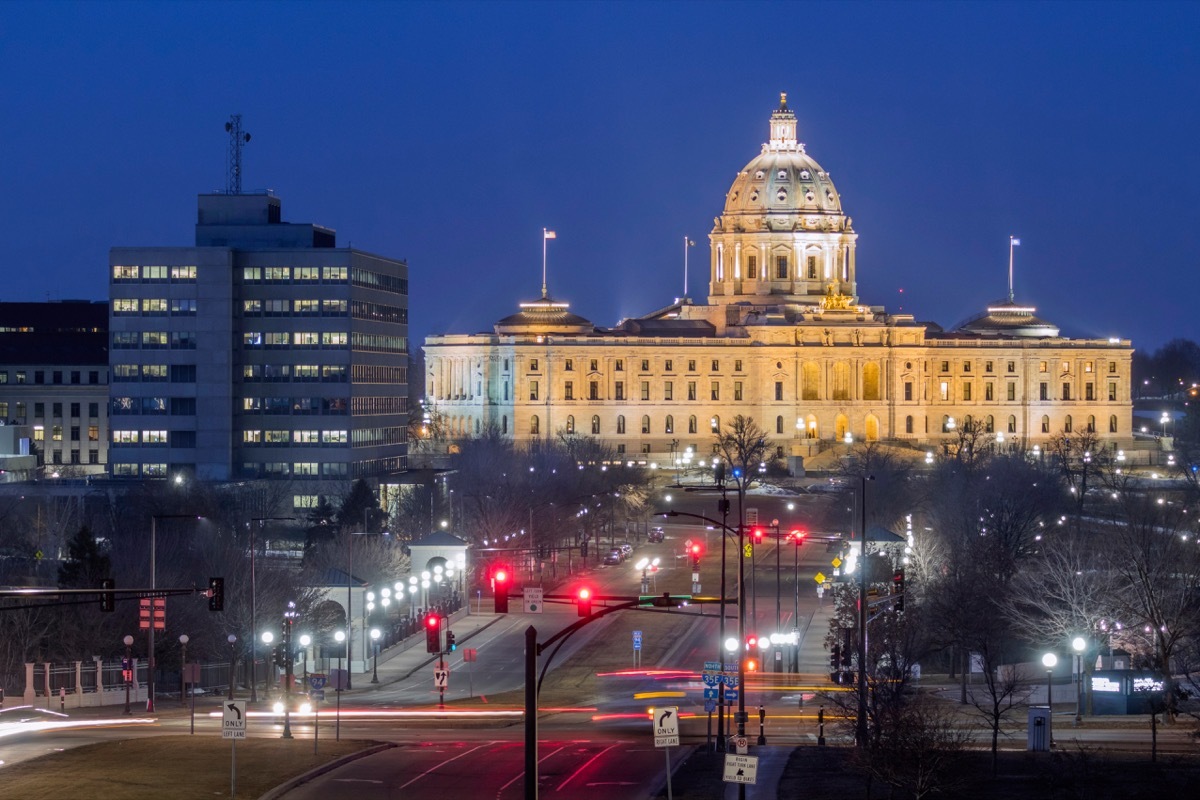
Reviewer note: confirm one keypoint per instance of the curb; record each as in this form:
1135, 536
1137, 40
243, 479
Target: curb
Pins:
292, 783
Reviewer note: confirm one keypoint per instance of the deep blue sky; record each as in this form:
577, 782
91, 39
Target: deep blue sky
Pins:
450, 134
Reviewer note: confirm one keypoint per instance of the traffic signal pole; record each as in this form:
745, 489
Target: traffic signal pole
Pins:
531, 744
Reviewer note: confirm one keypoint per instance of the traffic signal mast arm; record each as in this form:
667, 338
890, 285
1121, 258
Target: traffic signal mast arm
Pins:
91, 595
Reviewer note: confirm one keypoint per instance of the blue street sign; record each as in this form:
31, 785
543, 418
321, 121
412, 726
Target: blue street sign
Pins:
731, 695
637, 640
317, 681
710, 706
317, 694
712, 666
710, 678
712, 693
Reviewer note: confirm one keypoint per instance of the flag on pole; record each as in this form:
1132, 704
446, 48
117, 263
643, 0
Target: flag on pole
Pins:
1016, 242
691, 243
549, 234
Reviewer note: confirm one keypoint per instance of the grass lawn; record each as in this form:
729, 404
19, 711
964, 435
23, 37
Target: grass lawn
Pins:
167, 768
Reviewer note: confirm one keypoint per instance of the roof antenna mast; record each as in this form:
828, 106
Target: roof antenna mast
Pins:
237, 140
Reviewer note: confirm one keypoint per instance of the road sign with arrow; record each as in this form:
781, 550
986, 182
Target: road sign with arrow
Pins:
666, 727
233, 719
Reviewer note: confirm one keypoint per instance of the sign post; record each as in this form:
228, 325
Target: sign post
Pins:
666, 736
532, 597
316, 682
233, 726
740, 769
637, 648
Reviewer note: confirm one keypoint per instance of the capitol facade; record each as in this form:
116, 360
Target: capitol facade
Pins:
785, 339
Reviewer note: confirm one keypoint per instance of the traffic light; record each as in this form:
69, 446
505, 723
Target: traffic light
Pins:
898, 588
847, 656
835, 658
450, 645
500, 589
281, 655
108, 600
798, 537
584, 602
433, 633
695, 556
216, 594
758, 535
751, 665
751, 643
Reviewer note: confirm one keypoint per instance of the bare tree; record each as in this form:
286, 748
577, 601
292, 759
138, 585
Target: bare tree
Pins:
917, 749
744, 446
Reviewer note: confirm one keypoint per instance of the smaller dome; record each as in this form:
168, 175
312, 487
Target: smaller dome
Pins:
1009, 319
544, 315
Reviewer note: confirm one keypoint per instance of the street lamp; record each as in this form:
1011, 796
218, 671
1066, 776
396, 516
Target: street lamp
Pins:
128, 669
183, 640
375, 647
339, 637
1048, 661
1078, 644
305, 641
232, 660
267, 638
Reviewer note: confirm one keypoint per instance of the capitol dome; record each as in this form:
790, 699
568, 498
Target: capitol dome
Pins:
783, 237
783, 179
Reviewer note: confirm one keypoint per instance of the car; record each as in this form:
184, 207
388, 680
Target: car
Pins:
656, 535
615, 556
626, 549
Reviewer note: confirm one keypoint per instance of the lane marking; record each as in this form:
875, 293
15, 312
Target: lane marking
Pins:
444, 763
521, 774
586, 764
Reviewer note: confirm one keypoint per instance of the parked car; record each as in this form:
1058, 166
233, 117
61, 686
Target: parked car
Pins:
615, 556
656, 535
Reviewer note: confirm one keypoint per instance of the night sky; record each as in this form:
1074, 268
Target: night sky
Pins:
451, 134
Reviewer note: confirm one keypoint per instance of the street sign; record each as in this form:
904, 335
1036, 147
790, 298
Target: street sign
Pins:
470, 654
317, 681
710, 678
637, 640
687, 545
751, 516
711, 693
337, 679
819, 577
233, 719
666, 727
441, 678
317, 695
533, 599
710, 706
712, 666
740, 769
741, 745
837, 562
731, 695
748, 550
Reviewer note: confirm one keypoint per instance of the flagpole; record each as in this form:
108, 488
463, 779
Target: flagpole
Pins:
545, 237
1012, 240
685, 265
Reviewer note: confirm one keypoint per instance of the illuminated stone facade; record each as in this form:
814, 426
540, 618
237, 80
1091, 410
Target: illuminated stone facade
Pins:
783, 338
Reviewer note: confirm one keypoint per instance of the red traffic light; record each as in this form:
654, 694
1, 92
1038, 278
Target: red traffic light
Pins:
695, 549
501, 576
585, 594
584, 606
751, 641
433, 620
798, 536
758, 535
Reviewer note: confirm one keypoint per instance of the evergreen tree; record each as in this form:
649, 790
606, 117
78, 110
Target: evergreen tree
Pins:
86, 564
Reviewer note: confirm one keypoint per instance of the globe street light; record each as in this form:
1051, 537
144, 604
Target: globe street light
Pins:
1078, 644
375, 647
128, 668
267, 638
305, 641
183, 640
1049, 661
339, 637
232, 660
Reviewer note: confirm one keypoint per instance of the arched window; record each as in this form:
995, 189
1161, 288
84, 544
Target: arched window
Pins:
945, 424
1067, 424
1045, 424
989, 424
908, 426
871, 429
595, 425
670, 426
645, 424
1012, 423
1091, 424
779, 424
692, 424
534, 427
621, 424
811, 380
1112, 424
870, 381
714, 424
570, 423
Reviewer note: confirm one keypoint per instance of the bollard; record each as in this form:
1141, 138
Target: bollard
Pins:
821, 726
62, 698
762, 718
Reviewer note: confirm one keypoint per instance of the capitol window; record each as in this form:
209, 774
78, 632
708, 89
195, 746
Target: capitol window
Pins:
1012, 366
1067, 425
533, 390
669, 427
966, 392
989, 392
1112, 424
716, 365
752, 267
1045, 424
691, 390
715, 390
1012, 423
645, 365
570, 424
737, 390
593, 390
966, 366
533, 365
533, 425
1043, 366
691, 365
779, 424
620, 365
594, 365
621, 424
668, 391
645, 390
645, 424
569, 391
595, 425
908, 424
987, 366
692, 424
781, 267
619, 393
569, 366
812, 267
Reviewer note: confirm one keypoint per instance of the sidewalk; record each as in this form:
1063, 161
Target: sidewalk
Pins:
404, 658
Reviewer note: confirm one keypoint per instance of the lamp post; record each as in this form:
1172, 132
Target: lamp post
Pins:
232, 661
375, 647
339, 637
267, 638
128, 669
183, 640
1048, 661
798, 539
1078, 644
860, 728
305, 641
154, 585
254, 594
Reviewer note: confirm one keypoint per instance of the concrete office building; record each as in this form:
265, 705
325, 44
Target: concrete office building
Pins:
54, 381
264, 351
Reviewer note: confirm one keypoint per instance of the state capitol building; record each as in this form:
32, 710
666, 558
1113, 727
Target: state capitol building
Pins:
784, 338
